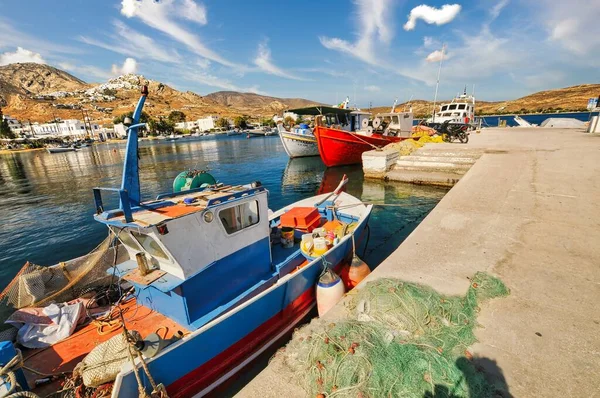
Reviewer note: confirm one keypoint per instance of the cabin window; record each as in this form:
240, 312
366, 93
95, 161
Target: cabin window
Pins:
444, 107
238, 217
395, 119
446, 114
128, 241
150, 245
461, 106
452, 107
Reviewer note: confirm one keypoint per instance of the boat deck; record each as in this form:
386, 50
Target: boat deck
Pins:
174, 206
65, 355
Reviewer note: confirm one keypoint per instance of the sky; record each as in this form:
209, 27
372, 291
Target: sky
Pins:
373, 51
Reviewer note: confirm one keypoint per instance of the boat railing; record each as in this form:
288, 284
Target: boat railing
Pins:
123, 196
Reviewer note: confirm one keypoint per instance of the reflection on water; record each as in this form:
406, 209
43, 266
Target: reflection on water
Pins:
46, 201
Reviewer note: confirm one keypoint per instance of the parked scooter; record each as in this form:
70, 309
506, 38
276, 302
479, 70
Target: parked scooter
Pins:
450, 132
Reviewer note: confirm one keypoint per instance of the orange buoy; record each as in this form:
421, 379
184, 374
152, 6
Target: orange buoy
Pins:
354, 273
330, 290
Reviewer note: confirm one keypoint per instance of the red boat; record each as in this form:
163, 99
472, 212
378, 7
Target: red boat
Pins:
340, 147
344, 134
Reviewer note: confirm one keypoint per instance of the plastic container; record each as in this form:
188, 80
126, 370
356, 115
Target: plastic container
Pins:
303, 218
287, 237
320, 246
307, 243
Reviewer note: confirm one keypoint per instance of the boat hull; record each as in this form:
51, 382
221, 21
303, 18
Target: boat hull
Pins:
60, 150
298, 146
213, 354
339, 147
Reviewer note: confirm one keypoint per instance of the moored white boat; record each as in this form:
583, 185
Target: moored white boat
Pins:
299, 143
61, 149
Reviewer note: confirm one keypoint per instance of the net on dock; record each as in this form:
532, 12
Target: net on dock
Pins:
38, 286
406, 341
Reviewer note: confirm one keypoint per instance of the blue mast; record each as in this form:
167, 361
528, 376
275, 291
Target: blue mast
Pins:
131, 174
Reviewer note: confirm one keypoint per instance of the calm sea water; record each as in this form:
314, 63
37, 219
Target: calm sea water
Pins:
46, 201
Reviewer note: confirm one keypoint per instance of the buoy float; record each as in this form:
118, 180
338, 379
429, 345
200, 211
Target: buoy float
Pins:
354, 273
330, 290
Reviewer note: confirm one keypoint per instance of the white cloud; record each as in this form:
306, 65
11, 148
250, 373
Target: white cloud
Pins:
85, 70
129, 66
497, 8
21, 55
372, 89
210, 80
130, 42
264, 63
193, 11
161, 16
374, 26
436, 56
573, 25
432, 15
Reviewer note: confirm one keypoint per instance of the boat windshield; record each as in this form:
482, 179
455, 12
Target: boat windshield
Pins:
238, 217
150, 245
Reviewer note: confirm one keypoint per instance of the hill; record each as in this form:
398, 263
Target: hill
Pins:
251, 102
573, 99
39, 93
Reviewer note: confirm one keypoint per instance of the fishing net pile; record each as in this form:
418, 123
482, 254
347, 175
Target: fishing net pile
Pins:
405, 340
38, 286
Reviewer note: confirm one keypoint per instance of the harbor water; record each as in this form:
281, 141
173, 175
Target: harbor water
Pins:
46, 201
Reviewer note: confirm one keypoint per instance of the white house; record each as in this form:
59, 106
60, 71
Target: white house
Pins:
70, 127
202, 124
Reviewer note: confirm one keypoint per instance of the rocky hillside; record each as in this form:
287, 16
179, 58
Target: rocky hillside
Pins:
573, 98
251, 102
40, 92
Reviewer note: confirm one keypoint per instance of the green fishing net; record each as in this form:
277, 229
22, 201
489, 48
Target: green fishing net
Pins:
405, 340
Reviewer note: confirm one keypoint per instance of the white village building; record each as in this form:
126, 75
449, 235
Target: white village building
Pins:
65, 128
203, 124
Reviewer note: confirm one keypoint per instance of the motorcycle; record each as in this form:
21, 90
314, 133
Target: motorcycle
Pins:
450, 132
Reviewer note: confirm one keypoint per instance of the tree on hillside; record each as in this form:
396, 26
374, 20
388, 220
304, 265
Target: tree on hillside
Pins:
241, 122
222, 123
5, 131
161, 126
268, 122
176, 117
144, 118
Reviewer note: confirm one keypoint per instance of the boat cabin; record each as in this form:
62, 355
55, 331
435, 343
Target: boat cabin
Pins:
220, 232
339, 118
460, 110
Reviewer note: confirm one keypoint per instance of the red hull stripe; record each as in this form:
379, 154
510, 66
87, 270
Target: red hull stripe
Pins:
203, 376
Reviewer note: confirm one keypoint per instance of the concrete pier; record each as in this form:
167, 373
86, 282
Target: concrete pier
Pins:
527, 211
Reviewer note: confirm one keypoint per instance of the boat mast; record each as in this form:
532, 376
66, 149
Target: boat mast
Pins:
131, 174
438, 83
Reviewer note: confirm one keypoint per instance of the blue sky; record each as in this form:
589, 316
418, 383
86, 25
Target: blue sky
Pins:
371, 50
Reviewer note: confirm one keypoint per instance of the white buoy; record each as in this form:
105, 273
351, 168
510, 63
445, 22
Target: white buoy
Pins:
330, 290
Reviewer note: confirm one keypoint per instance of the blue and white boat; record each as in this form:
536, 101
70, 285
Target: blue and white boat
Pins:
204, 258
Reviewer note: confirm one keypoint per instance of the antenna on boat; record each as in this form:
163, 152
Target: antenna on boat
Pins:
131, 172
394, 105
437, 85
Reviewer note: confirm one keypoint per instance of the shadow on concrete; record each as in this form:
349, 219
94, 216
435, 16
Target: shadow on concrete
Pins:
484, 379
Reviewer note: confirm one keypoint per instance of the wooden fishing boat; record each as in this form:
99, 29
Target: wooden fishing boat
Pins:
205, 262
298, 144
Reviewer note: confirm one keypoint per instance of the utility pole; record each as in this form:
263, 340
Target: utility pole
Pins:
438, 83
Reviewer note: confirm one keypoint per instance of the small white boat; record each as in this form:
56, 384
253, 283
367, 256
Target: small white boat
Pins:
172, 137
234, 132
60, 149
298, 142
